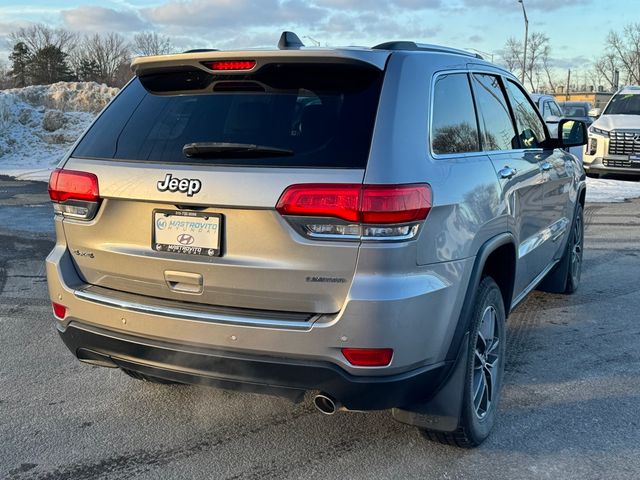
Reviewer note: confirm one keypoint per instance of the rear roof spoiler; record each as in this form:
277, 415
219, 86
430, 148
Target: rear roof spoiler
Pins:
155, 64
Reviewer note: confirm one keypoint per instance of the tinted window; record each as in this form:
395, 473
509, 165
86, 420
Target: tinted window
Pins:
324, 114
496, 126
530, 127
555, 109
624, 104
454, 126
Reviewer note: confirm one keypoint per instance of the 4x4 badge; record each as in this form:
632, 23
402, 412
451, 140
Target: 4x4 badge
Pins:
183, 185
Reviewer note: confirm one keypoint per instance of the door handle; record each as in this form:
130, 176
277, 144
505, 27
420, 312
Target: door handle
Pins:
507, 172
546, 166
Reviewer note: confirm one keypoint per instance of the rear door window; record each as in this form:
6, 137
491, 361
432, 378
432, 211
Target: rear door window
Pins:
496, 125
317, 115
454, 125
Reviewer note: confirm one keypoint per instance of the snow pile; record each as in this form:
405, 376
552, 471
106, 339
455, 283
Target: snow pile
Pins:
39, 123
602, 190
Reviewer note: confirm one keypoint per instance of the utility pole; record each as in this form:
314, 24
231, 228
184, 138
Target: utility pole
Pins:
568, 84
526, 40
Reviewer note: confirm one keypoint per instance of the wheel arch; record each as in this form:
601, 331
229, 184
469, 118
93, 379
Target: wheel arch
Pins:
492, 258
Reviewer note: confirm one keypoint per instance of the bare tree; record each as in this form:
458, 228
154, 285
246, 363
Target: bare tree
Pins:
151, 43
39, 36
626, 48
546, 66
512, 55
607, 66
538, 59
109, 52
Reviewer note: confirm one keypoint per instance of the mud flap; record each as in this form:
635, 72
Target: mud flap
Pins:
443, 411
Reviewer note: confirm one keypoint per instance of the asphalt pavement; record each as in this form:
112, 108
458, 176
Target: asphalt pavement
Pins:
570, 408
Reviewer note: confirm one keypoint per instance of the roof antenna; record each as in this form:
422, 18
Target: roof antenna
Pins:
289, 41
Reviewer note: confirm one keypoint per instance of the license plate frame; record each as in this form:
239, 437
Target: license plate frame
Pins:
198, 246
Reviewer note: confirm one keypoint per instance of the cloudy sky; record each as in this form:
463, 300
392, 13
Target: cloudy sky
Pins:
577, 28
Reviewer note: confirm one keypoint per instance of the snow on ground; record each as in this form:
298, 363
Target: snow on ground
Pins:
610, 191
38, 124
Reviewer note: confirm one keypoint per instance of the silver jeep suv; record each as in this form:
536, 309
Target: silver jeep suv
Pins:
356, 223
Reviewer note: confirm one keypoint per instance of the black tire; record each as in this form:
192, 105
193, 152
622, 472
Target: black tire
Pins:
592, 175
148, 378
484, 370
565, 276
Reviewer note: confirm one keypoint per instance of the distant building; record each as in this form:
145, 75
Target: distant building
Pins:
597, 99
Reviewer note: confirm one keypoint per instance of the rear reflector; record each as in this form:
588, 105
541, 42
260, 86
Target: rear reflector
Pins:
368, 357
59, 311
230, 65
369, 204
73, 185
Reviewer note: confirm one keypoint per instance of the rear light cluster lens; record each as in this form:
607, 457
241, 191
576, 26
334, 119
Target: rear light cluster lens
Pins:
361, 211
59, 311
74, 194
225, 65
368, 357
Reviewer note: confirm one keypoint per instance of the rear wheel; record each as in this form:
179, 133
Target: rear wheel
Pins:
565, 276
485, 369
148, 378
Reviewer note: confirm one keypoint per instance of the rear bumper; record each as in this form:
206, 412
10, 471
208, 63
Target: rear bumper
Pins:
237, 371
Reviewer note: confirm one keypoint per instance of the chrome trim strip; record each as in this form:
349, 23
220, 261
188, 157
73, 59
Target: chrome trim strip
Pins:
193, 315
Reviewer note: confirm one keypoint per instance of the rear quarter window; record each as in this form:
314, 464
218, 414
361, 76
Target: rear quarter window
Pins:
454, 126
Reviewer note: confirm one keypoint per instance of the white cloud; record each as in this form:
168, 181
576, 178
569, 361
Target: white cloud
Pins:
93, 18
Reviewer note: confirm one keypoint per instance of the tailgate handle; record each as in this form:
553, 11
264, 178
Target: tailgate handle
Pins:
184, 282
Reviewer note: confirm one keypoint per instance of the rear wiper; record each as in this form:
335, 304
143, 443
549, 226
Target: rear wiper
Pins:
232, 150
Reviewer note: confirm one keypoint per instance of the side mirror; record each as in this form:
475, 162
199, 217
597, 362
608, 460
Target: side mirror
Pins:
572, 133
595, 112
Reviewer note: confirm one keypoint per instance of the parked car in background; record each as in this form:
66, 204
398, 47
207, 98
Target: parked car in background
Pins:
551, 111
614, 138
577, 111
582, 111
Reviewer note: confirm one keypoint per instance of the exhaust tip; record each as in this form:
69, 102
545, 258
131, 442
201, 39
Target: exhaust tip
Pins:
325, 404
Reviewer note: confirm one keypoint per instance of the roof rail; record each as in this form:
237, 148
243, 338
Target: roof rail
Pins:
424, 47
200, 50
289, 41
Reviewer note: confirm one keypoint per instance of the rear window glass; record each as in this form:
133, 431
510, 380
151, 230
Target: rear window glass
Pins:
321, 115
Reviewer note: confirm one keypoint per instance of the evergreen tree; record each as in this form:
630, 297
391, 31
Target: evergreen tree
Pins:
88, 70
20, 58
49, 65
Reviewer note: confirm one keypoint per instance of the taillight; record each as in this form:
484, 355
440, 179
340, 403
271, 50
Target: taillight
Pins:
368, 357
355, 211
226, 65
74, 194
59, 311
